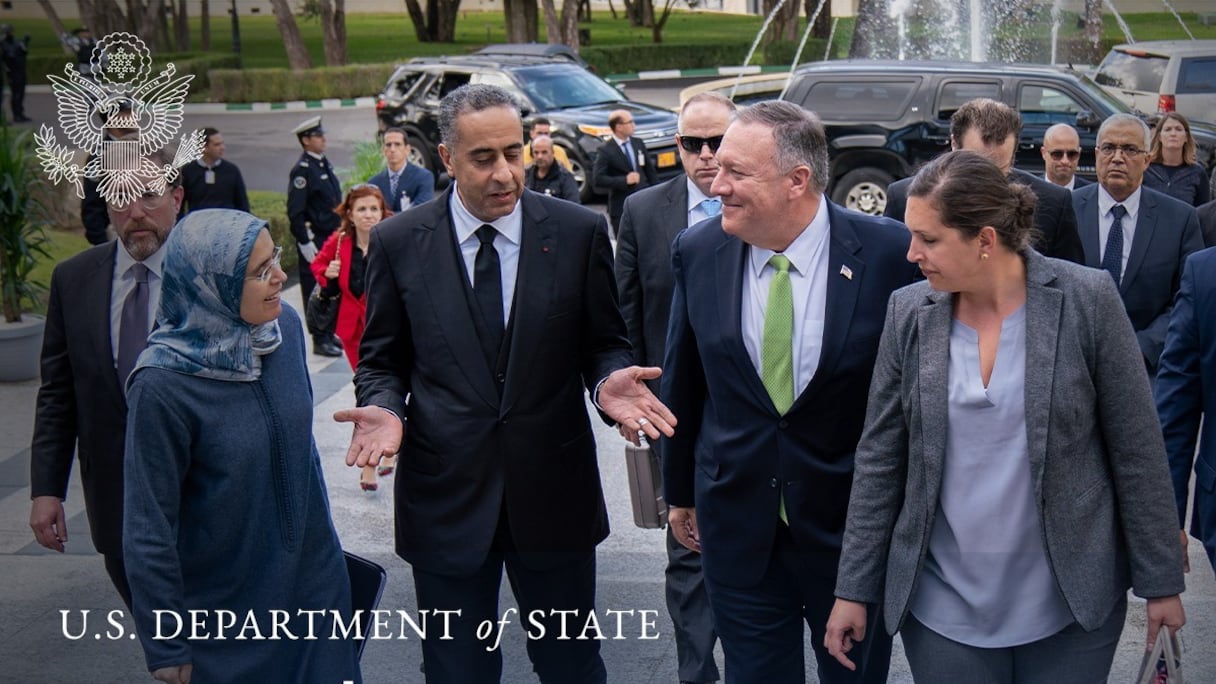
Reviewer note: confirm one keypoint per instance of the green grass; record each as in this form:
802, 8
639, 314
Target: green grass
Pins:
60, 245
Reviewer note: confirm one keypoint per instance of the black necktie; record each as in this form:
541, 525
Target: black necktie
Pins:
1112, 258
133, 325
487, 287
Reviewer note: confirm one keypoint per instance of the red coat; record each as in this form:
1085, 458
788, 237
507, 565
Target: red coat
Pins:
352, 311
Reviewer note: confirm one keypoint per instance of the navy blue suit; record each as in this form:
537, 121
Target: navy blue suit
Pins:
733, 455
1186, 391
415, 185
1167, 231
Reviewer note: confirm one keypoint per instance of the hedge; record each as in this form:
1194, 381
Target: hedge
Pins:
272, 206
37, 68
284, 85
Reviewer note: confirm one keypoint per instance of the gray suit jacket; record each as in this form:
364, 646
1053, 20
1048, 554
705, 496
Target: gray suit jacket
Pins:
652, 219
1095, 449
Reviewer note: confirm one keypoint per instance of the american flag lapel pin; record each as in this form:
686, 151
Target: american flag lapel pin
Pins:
846, 272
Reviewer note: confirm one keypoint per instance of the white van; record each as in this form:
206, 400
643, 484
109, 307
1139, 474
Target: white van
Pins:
1162, 76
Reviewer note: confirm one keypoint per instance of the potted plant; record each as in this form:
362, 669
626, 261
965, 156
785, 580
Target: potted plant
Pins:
22, 242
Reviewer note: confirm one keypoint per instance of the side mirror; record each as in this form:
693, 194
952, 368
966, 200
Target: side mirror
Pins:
1087, 119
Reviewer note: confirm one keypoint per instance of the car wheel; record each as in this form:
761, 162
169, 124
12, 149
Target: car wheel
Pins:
420, 154
863, 190
580, 169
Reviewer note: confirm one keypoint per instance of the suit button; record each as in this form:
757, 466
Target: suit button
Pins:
783, 424
501, 377
503, 421
773, 482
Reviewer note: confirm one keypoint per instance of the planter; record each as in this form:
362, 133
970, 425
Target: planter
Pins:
20, 348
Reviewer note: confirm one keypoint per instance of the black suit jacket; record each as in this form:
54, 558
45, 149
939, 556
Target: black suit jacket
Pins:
1078, 182
1167, 231
477, 441
1207, 223
1053, 215
732, 453
611, 166
81, 407
650, 222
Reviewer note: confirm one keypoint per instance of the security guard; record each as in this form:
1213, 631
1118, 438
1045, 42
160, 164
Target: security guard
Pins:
312, 196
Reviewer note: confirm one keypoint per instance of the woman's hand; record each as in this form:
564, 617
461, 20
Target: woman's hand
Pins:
846, 626
333, 269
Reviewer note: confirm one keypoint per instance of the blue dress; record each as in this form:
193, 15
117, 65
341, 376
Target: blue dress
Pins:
226, 510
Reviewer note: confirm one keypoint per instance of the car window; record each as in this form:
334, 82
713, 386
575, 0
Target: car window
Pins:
1043, 105
1132, 71
446, 83
864, 101
954, 93
560, 86
1197, 75
404, 82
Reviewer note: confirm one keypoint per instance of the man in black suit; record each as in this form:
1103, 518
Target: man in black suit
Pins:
991, 128
1061, 150
1207, 222
777, 310
492, 309
651, 220
101, 307
211, 182
1141, 236
621, 165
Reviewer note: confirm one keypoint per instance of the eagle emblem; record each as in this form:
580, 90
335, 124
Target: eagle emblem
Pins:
119, 117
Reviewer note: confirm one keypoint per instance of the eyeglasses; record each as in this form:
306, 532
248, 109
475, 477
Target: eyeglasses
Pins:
692, 143
1108, 150
264, 274
150, 201
1060, 154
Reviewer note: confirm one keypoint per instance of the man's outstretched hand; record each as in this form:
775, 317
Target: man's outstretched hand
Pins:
626, 399
377, 434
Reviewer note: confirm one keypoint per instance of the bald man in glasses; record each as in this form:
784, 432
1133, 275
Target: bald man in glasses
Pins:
1061, 152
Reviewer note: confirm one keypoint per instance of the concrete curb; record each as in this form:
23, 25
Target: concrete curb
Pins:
222, 107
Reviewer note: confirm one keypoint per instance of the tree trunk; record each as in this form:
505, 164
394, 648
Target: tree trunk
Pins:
53, 16
181, 26
633, 11
584, 10
823, 24
164, 36
647, 8
445, 25
785, 23
570, 14
873, 31
418, 19
102, 17
297, 55
204, 25
1093, 22
656, 32
553, 27
149, 28
516, 15
333, 31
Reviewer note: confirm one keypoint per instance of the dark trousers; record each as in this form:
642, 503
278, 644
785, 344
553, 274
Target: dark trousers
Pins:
17, 94
761, 626
688, 605
1071, 655
568, 586
307, 281
118, 576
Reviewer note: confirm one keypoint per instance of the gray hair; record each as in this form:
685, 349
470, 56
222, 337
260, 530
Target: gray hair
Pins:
470, 99
709, 97
1122, 119
798, 134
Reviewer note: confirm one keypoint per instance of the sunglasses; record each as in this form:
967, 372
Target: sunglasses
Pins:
692, 143
1060, 154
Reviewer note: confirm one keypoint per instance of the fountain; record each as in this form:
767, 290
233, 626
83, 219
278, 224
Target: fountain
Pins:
1127, 32
755, 43
1173, 11
979, 40
802, 44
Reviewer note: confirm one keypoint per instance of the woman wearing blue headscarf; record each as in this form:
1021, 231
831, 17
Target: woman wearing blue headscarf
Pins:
225, 507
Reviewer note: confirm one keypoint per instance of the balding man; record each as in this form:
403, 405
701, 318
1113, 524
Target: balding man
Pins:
991, 128
1061, 152
621, 166
546, 175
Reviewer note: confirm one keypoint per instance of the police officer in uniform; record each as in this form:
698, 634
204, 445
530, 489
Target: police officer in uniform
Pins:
312, 196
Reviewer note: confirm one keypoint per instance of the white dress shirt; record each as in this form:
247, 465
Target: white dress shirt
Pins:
696, 213
510, 230
1106, 218
808, 255
122, 285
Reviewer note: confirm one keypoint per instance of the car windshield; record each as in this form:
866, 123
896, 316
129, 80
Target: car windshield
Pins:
1129, 71
561, 86
1113, 104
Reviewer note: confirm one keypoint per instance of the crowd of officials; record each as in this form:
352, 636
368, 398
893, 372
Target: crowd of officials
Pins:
972, 422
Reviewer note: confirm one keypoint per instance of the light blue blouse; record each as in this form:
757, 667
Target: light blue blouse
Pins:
986, 581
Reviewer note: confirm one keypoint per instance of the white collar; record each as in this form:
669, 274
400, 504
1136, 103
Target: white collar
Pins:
511, 226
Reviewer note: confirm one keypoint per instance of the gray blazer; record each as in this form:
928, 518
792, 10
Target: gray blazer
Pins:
1096, 453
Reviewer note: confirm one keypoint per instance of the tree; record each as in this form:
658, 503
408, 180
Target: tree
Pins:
521, 20
181, 27
438, 23
149, 29
562, 29
297, 55
823, 24
656, 32
1093, 22
333, 30
204, 11
873, 30
53, 16
785, 23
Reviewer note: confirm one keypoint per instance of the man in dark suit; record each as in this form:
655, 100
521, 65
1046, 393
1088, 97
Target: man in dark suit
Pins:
402, 184
101, 307
775, 320
621, 166
1207, 222
991, 128
1141, 236
313, 193
652, 219
492, 309
1186, 397
1061, 150
211, 182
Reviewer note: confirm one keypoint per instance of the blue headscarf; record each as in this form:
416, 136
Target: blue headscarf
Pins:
199, 326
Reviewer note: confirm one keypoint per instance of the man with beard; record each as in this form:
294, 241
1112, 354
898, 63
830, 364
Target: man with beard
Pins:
101, 307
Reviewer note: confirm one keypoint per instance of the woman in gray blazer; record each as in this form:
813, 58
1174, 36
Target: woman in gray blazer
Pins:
1011, 481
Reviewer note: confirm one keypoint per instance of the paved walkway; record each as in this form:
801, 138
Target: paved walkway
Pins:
40, 590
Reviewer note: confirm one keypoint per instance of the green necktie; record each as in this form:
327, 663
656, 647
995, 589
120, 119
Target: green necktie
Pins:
777, 349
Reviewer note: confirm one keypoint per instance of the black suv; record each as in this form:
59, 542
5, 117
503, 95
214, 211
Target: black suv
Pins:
885, 118
576, 102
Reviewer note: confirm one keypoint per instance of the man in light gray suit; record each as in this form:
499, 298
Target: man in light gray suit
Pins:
1156, 232
651, 220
